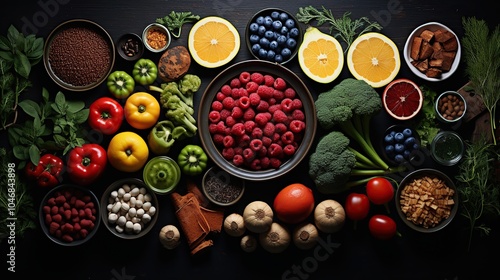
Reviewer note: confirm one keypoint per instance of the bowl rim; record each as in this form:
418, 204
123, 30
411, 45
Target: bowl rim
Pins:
79, 22
124, 37
265, 67
82, 189
156, 26
156, 190
207, 195
265, 10
417, 174
406, 51
104, 212
440, 117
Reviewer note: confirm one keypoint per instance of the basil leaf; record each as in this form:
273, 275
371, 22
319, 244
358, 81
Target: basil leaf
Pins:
22, 65
34, 154
30, 107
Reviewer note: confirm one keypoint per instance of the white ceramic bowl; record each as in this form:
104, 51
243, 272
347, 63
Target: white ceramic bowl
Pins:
432, 26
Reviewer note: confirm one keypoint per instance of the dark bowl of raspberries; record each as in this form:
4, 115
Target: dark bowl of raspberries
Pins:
257, 120
274, 35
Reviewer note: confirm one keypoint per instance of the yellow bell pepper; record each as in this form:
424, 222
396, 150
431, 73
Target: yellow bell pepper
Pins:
142, 110
128, 151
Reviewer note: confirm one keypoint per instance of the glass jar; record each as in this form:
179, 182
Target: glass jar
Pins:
447, 148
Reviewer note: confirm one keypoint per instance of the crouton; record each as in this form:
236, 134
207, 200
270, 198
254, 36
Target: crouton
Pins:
415, 48
427, 35
425, 51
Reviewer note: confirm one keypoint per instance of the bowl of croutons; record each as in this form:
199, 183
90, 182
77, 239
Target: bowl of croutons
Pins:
432, 51
426, 200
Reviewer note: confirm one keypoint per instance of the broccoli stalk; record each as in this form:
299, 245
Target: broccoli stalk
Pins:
182, 117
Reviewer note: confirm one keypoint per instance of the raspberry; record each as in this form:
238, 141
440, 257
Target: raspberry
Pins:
280, 128
273, 108
228, 102
262, 107
261, 119
257, 77
274, 162
243, 102
287, 105
237, 113
254, 99
238, 160
235, 93
212, 128
235, 83
290, 93
279, 83
221, 127
268, 80
287, 137
275, 151
238, 150
249, 126
269, 129
257, 133
248, 154
228, 141
272, 101
289, 150
217, 105
226, 90
244, 77
266, 141
224, 113
251, 87
218, 139
238, 129
264, 162
242, 92
297, 103
220, 96
244, 140
298, 115
256, 144
278, 94
297, 126
265, 91
279, 116
249, 114
230, 121
214, 116
263, 151
255, 164
228, 153
276, 138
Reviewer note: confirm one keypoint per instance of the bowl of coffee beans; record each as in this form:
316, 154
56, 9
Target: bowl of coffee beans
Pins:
130, 46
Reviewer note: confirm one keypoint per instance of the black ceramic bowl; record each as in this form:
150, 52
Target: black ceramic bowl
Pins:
113, 194
400, 150
130, 46
58, 227
429, 203
79, 55
273, 34
264, 67
222, 188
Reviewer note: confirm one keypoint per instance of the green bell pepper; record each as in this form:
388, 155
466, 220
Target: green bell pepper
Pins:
120, 84
163, 135
192, 160
145, 71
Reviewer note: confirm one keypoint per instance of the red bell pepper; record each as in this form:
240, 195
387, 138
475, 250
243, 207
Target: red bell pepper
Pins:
86, 163
106, 115
48, 172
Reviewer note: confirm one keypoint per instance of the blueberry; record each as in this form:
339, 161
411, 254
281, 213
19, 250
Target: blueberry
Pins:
399, 148
389, 138
407, 132
263, 53
270, 55
275, 15
254, 27
389, 149
399, 158
268, 21
283, 17
281, 40
259, 20
262, 30
273, 45
291, 43
269, 35
284, 30
278, 58
277, 25
406, 154
286, 53
410, 141
294, 32
392, 132
264, 42
256, 48
399, 137
290, 23
254, 38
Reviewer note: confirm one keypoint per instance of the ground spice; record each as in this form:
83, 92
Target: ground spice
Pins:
79, 56
223, 191
156, 39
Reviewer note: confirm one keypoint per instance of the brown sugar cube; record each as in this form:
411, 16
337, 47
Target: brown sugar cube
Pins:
450, 44
427, 35
433, 72
442, 35
422, 66
436, 63
426, 50
437, 46
448, 58
415, 48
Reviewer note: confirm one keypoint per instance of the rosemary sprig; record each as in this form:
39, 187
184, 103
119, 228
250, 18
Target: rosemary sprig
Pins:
345, 28
482, 58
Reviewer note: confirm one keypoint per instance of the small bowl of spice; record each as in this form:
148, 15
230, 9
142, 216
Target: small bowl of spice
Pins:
447, 148
156, 37
222, 188
450, 107
130, 46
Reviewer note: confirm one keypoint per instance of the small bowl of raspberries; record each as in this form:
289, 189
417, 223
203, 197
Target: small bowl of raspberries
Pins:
257, 120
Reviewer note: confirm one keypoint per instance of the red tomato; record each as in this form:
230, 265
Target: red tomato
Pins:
357, 206
294, 203
382, 227
379, 190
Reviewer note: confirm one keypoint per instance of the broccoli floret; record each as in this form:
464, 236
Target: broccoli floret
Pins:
335, 166
189, 84
181, 117
349, 106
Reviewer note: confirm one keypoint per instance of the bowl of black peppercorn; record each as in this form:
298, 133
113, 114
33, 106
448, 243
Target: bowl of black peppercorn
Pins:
130, 46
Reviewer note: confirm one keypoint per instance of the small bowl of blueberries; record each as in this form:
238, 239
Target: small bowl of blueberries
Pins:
273, 35
400, 144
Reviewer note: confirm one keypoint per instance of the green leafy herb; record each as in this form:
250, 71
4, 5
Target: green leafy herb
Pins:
479, 193
175, 20
427, 127
345, 28
482, 58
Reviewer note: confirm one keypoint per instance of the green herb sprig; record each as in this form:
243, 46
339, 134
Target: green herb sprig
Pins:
175, 20
345, 28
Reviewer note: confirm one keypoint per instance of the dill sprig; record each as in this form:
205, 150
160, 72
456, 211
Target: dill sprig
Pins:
482, 58
345, 28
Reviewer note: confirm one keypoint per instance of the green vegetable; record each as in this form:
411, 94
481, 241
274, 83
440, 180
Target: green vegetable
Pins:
120, 84
336, 167
427, 127
482, 58
478, 189
163, 136
175, 20
162, 174
350, 106
145, 71
344, 27
192, 160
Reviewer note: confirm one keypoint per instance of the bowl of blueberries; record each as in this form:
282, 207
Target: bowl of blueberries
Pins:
273, 35
400, 144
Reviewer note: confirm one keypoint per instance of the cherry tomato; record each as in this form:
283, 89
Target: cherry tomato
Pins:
382, 227
379, 190
357, 206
